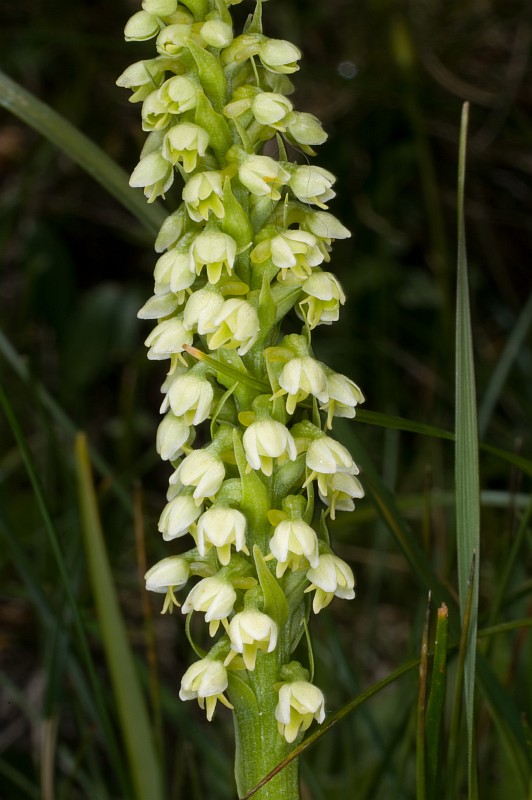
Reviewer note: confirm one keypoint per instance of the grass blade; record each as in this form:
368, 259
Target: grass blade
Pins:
421, 775
80, 149
436, 706
466, 457
131, 707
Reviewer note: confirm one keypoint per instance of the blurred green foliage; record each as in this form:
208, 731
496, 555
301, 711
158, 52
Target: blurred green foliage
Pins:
388, 79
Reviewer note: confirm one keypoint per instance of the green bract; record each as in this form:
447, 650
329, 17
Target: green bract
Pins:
244, 248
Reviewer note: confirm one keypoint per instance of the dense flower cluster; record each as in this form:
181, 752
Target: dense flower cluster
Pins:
248, 243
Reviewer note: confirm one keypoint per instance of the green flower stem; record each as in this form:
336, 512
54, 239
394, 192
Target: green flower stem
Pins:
259, 747
232, 267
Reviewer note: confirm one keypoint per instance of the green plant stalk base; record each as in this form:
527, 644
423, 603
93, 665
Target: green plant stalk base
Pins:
259, 747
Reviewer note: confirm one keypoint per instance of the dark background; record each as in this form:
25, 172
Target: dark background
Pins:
388, 80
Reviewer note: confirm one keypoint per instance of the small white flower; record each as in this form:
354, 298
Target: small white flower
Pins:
278, 55
300, 702
166, 577
190, 397
249, 632
141, 78
341, 488
294, 544
173, 272
185, 143
167, 339
301, 377
312, 184
214, 596
331, 577
265, 440
323, 296
344, 396
172, 435
293, 250
326, 457
155, 114
237, 326
202, 469
202, 310
202, 195
154, 174
205, 681
263, 176
221, 527
214, 250
177, 516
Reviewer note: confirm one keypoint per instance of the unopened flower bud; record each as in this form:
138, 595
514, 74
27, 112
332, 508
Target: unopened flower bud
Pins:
216, 33
160, 8
278, 55
141, 27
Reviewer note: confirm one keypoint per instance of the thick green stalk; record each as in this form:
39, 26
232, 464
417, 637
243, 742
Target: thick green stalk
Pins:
259, 747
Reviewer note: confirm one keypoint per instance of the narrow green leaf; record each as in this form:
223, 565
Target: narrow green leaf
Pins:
80, 149
421, 776
466, 456
210, 73
227, 371
275, 604
436, 706
215, 124
131, 707
455, 748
